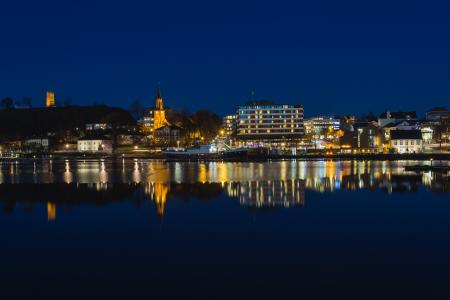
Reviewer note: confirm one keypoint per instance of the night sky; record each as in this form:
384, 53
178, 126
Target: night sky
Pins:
342, 57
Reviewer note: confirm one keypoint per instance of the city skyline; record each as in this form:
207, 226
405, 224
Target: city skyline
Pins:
326, 56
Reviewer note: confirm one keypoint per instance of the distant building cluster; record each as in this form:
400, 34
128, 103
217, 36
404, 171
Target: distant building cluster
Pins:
278, 128
284, 127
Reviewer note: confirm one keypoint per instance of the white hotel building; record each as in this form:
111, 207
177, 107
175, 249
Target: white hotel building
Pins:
270, 123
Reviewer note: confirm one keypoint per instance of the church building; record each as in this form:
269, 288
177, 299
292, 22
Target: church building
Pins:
157, 115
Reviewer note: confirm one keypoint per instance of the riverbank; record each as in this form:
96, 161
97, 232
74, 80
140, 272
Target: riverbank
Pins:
159, 156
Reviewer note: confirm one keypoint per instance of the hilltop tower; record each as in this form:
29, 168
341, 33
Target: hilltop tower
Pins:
50, 99
159, 115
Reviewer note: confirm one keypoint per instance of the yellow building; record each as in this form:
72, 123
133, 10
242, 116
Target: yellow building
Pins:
159, 115
50, 99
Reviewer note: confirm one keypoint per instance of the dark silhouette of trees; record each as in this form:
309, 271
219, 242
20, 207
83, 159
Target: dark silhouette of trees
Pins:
136, 109
208, 123
370, 117
7, 103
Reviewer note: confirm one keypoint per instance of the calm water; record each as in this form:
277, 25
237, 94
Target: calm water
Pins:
121, 229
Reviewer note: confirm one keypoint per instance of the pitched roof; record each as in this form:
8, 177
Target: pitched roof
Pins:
395, 124
171, 127
399, 115
406, 135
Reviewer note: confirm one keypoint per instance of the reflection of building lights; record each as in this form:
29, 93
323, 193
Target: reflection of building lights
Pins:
136, 173
158, 193
51, 211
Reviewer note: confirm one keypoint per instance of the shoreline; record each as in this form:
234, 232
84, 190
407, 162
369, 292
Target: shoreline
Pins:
256, 158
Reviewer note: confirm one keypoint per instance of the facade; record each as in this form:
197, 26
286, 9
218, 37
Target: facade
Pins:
98, 126
36, 144
406, 141
363, 137
320, 124
270, 123
401, 125
438, 113
230, 125
157, 116
168, 136
395, 117
94, 145
50, 100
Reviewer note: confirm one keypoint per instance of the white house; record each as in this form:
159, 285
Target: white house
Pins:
401, 125
94, 145
36, 144
406, 141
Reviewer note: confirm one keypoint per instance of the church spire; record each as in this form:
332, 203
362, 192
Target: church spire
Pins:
158, 101
158, 91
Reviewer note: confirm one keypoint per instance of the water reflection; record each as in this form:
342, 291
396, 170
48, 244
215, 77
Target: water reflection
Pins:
51, 211
253, 185
268, 193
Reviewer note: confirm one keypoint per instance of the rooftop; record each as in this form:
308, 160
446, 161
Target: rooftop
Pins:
399, 115
406, 135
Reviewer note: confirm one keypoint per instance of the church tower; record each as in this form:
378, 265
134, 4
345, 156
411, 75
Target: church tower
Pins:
159, 115
50, 99
159, 100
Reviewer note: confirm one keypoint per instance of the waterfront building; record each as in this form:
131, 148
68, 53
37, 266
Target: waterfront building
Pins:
94, 145
395, 117
230, 125
321, 124
347, 121
401, 125
438, 113
270, 124
167, 136
50, 100
363, 137
406, 141
97, 126
36, 145
427, 133
322, 131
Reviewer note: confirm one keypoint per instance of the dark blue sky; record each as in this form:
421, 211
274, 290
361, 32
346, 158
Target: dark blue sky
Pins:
332, 56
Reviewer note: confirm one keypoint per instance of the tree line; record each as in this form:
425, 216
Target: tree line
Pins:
26, 102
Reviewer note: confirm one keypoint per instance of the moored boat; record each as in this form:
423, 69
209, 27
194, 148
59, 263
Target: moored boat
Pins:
236, 153
200, 152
